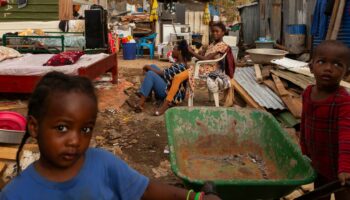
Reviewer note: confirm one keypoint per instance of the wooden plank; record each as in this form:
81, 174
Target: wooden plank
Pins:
29, 8
28, 16
269, 83
2, 167
9, 152
14, 2
276, 20
263, 20
294, 107
332, 20
247, 98
266, 71
280, 87
338, 20
299, 80
12, 106
258, 75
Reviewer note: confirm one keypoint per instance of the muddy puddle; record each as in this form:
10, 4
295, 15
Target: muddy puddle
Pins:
221, 157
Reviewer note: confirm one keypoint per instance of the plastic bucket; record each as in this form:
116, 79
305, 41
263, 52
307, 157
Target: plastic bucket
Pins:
296, 29
197, 39
129, 51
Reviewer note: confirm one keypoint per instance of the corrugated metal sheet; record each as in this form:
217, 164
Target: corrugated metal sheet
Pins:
293, 12
263, 95
344, 32
298, 12
250, 19
255, 18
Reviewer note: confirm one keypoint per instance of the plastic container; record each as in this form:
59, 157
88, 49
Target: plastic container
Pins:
12, 121
296, 29
186, 126
197, 39
129, 51
264, 56
264, 44
296, 38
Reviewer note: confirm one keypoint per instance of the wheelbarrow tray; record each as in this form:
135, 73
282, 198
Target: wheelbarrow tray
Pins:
257, 126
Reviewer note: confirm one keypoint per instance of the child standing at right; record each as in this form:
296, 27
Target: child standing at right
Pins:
325, 125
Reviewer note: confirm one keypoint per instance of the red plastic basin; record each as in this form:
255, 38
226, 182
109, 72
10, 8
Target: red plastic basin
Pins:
12, 121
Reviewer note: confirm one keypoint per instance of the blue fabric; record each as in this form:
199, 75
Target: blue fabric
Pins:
214, 10
320, 20
154, 82
103, 176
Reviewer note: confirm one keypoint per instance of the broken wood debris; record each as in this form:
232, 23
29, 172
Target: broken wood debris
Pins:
293, 105
298, 79
258, 74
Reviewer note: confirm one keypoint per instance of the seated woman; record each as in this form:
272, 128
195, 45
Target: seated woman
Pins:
217, 76
160, 81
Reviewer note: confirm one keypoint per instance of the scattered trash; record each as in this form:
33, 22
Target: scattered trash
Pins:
162, 170
166, 149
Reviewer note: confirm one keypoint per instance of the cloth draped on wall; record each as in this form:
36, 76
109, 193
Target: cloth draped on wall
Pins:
154, 11
320, 20
65, 11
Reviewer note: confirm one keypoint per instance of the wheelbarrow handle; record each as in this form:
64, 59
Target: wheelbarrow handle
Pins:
325, 190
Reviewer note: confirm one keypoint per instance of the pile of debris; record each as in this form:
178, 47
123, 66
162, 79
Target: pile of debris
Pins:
276, 88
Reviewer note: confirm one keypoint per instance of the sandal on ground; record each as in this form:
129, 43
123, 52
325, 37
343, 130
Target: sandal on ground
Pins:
137, 108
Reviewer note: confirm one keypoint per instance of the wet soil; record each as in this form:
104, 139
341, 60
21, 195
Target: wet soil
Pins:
221, 157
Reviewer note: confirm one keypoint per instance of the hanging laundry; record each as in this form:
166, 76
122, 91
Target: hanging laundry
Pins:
3, 3
320, 20
22, 3
154, 11
206, 15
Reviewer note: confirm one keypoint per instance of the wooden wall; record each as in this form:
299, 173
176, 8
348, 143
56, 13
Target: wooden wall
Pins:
195, 20
36, 10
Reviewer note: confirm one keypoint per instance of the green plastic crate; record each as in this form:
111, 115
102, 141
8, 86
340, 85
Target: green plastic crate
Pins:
257, 126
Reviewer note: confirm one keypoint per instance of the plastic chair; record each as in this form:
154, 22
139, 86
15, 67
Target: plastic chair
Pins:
148, 42
215, 94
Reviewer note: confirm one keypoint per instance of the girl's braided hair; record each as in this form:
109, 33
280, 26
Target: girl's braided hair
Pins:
53, 82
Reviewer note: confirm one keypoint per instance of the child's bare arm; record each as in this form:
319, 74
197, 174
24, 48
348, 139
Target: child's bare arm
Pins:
159, 191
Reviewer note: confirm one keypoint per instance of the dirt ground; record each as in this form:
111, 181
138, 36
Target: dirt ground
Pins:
142, 138
138, 138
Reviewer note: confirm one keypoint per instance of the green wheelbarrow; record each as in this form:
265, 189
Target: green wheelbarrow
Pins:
187, 129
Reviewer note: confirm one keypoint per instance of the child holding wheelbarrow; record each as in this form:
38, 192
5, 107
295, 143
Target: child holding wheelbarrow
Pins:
325, 125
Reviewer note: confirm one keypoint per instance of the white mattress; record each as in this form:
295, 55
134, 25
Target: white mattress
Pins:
32, 65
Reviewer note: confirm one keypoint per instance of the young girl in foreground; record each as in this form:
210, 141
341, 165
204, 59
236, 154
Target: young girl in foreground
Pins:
61, 116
